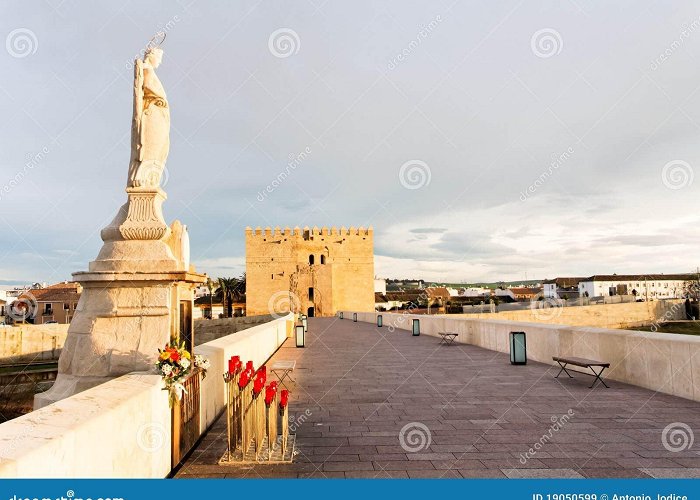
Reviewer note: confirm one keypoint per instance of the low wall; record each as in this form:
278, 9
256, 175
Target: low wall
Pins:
207, 330
26, 343
122, 428
663, 362
624, 315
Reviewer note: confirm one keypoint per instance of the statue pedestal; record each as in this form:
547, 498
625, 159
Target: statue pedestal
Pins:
131, 300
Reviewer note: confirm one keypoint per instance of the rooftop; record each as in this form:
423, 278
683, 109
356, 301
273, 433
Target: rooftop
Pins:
364, 391
59, 292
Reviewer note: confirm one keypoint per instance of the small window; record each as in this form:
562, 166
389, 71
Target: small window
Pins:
48, 309
311, 260
323, 259
272, 276
66, 306
311, 293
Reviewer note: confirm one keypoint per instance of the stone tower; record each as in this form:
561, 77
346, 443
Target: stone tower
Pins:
313, 271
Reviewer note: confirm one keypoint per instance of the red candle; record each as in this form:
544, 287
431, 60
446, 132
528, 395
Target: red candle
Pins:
284, 398
270, 393
243, 381
258, 385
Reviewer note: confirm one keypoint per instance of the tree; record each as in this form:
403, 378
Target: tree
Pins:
211, 285
227, 286
232, 289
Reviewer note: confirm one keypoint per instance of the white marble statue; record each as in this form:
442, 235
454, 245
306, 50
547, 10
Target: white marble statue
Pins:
150, 126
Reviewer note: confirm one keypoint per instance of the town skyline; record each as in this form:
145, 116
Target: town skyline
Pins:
482, 165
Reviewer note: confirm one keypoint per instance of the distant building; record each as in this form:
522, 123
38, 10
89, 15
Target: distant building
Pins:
314, 271
212, 307
379, 285
54, 303
562, 288
437, 293
525, 293
475, 292
647, 287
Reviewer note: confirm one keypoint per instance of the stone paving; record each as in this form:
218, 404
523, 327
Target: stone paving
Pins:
369, 403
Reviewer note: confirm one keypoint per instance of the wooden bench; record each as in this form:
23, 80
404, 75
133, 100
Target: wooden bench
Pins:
584, 363
447, 338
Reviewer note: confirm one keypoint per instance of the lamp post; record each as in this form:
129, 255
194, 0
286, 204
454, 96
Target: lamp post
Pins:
379, 320
518, 348
300, 336
304, 323
416, 327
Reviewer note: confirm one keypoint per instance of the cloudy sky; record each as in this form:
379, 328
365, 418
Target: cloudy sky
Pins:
481, 140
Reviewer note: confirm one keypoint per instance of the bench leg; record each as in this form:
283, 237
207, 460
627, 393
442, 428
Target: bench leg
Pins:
563, 369
597, 377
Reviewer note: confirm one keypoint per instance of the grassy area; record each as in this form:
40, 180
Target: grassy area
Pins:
682, 327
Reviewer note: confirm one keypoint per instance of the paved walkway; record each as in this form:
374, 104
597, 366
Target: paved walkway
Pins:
370, 403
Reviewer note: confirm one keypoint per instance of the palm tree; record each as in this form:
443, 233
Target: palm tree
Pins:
211, 284
229, 288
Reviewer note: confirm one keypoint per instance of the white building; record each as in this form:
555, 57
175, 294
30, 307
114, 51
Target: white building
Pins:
379, 285
647, 287
561, 288
476, 292
507, 293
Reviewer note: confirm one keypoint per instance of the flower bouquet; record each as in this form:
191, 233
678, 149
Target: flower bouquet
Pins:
175, 364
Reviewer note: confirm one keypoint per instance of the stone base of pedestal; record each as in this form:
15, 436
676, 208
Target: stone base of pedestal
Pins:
121, 321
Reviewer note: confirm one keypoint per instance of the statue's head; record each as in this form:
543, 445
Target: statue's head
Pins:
154, 57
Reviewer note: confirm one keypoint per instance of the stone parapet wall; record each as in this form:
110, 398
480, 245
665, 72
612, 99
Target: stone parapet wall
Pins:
122, 428
206, 330
602, 316
27, 343
662, 362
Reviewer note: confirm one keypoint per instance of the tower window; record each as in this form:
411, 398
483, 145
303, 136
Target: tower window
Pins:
311, 293
323, 259
311, 260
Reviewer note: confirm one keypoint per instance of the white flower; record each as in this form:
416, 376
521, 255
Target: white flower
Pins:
201, 362
166, 369
184, 363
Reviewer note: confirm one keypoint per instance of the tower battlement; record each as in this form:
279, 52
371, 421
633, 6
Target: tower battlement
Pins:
315, 231
321, 270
